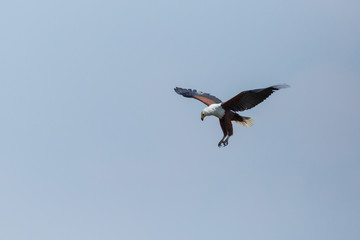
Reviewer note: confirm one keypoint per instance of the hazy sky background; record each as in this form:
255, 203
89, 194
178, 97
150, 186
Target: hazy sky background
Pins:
95, 144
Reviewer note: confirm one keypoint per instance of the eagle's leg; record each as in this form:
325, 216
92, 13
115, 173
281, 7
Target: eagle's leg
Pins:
228, 128
223, 128
222, 142
226, 141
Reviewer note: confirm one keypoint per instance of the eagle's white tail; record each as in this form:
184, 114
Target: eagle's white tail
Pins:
246, 122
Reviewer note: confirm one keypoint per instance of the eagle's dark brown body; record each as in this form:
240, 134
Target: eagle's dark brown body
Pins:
226, 125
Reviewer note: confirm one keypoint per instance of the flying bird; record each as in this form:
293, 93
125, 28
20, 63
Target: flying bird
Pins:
226, 111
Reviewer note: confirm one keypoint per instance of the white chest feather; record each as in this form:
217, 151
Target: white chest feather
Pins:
214, 110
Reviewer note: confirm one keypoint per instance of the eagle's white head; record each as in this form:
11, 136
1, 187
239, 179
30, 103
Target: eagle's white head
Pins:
213, 110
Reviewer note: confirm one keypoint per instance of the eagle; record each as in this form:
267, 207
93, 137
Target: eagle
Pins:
226, 111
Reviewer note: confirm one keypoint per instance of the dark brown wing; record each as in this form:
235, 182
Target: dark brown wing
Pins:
249, 99
203, 97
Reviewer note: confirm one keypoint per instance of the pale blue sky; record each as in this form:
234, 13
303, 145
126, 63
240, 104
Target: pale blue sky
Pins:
95, 144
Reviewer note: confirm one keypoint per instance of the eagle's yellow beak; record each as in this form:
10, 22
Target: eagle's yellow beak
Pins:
202, 117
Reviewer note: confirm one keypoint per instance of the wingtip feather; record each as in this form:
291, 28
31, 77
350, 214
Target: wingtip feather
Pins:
280, 86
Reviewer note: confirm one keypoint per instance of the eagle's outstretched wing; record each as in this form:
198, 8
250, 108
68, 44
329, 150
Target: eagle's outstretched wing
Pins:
203, 97
249, 99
